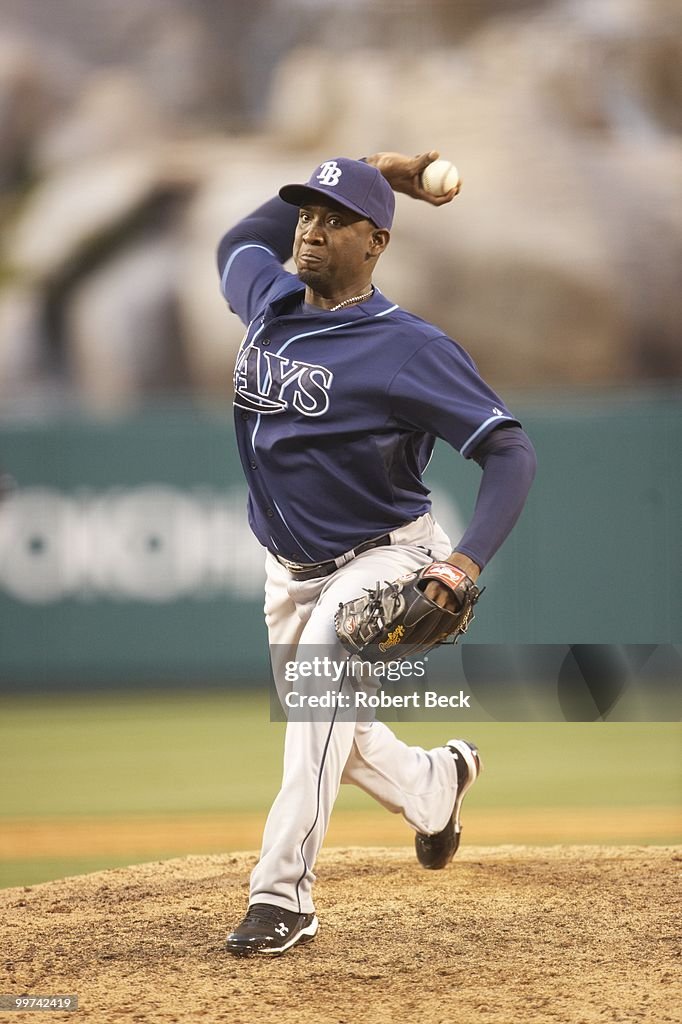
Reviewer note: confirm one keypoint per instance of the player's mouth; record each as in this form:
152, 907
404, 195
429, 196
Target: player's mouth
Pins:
309, 258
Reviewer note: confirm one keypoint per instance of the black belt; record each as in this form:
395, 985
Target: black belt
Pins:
316, 569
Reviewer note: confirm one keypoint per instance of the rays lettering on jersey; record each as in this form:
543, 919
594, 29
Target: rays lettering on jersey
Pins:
268, 383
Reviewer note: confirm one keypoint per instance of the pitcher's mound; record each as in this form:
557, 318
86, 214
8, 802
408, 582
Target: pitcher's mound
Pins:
511, 934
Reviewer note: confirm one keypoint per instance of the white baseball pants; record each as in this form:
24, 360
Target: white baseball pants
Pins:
319, 755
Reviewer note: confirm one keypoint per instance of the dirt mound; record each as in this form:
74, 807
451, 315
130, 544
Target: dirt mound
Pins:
506, 934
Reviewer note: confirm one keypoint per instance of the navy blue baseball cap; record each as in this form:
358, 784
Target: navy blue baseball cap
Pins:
352, 183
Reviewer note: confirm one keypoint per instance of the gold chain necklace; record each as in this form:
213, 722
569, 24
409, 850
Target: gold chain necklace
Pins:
349, 302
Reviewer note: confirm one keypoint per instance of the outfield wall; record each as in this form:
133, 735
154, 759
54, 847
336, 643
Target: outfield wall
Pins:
125, 558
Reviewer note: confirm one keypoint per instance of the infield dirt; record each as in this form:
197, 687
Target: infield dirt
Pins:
564, 934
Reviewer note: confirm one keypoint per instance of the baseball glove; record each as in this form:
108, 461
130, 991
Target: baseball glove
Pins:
398, 620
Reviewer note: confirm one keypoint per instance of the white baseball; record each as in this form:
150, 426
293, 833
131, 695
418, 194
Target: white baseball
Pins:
440, 177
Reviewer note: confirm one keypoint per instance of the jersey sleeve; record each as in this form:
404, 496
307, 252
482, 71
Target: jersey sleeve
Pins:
251, 257
439, 390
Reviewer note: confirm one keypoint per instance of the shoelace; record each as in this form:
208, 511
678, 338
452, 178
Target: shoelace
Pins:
264, 914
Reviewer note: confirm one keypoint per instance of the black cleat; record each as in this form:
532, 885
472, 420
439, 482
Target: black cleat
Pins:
437, 851
268, 929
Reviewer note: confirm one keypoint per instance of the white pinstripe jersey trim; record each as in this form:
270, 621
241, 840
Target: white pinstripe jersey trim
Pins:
491, 419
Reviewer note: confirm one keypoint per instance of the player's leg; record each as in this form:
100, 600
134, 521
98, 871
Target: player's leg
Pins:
274, 921
427, 787
316, 748
406, 780
417, 783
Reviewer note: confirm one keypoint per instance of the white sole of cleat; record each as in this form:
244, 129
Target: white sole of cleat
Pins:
305, 935
470, 756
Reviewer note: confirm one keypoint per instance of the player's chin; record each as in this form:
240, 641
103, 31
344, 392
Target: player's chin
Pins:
312, 278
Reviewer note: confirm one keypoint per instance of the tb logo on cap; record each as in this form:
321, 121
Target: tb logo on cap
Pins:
330, 172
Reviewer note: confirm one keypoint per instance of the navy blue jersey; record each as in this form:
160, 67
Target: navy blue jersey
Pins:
337, 413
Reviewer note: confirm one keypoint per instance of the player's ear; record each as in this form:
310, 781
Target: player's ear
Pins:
378, 241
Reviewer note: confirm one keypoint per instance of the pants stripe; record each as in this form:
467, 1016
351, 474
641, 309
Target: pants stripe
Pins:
319, 786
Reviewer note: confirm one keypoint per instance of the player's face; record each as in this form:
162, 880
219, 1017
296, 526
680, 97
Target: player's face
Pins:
335, 249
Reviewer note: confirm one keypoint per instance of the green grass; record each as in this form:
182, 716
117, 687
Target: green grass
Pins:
203, 752
44, 869
137, 753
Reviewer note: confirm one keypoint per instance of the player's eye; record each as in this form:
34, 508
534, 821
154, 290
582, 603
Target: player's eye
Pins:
334, 221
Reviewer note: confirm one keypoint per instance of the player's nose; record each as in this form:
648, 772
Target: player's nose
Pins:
313, 232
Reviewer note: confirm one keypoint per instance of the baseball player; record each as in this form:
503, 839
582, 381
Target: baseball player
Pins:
339, 397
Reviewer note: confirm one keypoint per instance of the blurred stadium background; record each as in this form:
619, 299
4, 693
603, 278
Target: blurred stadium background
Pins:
132, 655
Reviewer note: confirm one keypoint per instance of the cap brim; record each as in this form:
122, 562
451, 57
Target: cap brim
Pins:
301, 195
